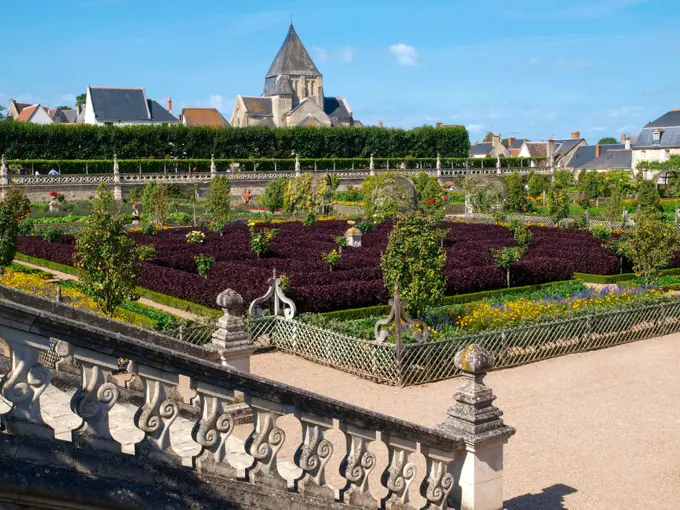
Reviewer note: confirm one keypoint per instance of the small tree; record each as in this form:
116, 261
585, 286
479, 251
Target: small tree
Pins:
522, 235
342, 242
537, 184
219, 199
648, 198
274, 192
104, 200
650, 245
506, 258
516, 199
613, 206
9, 231
331, 258
159, 206
109, 260
260, 241
18, 203
591, 185
415, 259
557, 202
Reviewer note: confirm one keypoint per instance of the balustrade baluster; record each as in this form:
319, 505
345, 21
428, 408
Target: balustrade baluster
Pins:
213, 430
24, 384
94, 399
313, 455
157, 415
439, 482
400, 472
265, 442
357, 466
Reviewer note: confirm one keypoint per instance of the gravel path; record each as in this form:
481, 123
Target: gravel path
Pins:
599, 430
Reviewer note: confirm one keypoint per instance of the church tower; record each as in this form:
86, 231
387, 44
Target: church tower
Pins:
293, 76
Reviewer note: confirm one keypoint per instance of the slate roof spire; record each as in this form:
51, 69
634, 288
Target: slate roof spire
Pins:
293, 58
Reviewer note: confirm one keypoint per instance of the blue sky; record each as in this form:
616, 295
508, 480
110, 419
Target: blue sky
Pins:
528, 68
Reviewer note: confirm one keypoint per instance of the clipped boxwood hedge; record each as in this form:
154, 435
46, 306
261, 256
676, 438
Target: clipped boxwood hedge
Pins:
617, 278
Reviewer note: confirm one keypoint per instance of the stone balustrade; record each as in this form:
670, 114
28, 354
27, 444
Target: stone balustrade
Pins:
381, 462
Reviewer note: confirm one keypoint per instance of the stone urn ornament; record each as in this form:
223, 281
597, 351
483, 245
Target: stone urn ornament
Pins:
353, 236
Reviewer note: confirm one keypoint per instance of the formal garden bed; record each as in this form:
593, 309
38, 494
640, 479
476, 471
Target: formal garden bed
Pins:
356, 280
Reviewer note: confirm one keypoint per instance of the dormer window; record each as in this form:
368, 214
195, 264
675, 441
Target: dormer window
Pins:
656, 135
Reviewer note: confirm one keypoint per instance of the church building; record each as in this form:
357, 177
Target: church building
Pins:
293, 94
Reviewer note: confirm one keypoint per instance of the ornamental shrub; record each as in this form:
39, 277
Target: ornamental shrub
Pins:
149, 229
557, 201
261, 241
26, 227
147, 252
537, 184
414, 262
155, 200
9, 232
507, 258
51, 234
310, 219
18, 203
365, 226
331, 258
203, 264
274, 192
648, 198
219, 199
516, 199
195, 237
109, 261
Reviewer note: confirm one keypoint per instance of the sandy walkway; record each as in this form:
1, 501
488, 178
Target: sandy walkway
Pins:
599, 430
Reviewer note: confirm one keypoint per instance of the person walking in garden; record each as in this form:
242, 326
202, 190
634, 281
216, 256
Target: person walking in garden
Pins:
135, 215
247, 197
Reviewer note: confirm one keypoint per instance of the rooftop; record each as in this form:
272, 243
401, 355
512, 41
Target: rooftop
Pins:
293, 58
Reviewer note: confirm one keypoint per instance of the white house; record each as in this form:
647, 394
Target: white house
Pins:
35, 113
658, 140
109, 106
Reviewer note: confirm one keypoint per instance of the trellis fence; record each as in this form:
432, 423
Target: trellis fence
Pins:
421, 363
545, 220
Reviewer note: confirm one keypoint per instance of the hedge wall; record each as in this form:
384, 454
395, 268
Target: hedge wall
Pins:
19, 140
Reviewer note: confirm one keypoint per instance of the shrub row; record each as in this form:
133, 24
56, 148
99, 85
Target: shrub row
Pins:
19, 140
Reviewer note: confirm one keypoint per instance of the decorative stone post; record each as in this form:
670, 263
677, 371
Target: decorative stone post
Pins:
498, 165
213, 167
439, 165
297, 164
4, 172
117, 189
353, 236
371, 166
231, 339
479, 423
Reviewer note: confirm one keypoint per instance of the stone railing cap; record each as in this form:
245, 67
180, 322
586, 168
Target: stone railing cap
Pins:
474, 360
229, 299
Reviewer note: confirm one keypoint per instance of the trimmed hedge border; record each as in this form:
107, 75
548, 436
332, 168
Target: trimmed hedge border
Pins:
373, 311
617, 278
156, 297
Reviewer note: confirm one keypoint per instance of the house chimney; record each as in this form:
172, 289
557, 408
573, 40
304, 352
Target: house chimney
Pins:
550, 152
169, 104
623, 138
511, 141
439, 124
380, 123
79, 109
495, 140
576, 134
598, 151
627, 144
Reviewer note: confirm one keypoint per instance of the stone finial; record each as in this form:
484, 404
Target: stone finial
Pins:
439, 162
3, 166
213, 167
353, 236
473, 417
474, 360
297, 164
229, 300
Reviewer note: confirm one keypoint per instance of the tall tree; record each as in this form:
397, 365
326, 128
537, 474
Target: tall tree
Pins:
557, 201
648, 198
607, 140
81, 99
108, 258
9, 231
219, 198
516, 200
2, 115
488, 137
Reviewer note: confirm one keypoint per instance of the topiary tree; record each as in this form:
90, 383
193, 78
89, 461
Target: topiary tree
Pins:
414, 260
219, 198
274, 192
18, 203
104, 200
648, 198
650, 245
557, 200
537, 184
108, 258
9, 231
506, 258
159, 207
591, 185
516, 200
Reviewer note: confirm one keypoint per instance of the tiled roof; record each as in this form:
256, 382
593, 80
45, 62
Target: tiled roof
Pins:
517, 144
292, 58
670, 138
160, 114
537, 149
27, 113
258, 106
481, 149
585, 154
613, 159
565, 146
127, 105
336, 109
203, 117
669, 119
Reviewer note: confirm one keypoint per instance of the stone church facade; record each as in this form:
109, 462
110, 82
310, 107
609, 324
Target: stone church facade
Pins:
293, 94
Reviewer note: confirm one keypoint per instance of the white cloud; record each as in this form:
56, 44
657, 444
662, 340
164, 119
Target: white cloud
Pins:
406, 55
69, 98
624, 111
654, 89
475, 128
347, 54
220, 102
319, 55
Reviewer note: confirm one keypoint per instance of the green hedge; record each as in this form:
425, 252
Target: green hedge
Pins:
149, 294
22, 140
616, 278
375, 311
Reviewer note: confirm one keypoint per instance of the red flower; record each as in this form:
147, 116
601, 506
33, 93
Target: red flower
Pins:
444, 199
431, 201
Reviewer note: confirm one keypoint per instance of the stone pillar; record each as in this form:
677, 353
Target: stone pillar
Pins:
371, 166
4, 177
117, 189
474, 419
297, 165
231, 338
213, 167
439, 165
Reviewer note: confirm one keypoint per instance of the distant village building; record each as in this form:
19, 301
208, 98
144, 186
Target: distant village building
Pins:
109, 106
602, 157
491, 149
514, 145
562, 150
658, 140
35, 114
202, 117
293, 94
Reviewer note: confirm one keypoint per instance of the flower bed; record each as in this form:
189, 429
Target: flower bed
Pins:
555, 254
